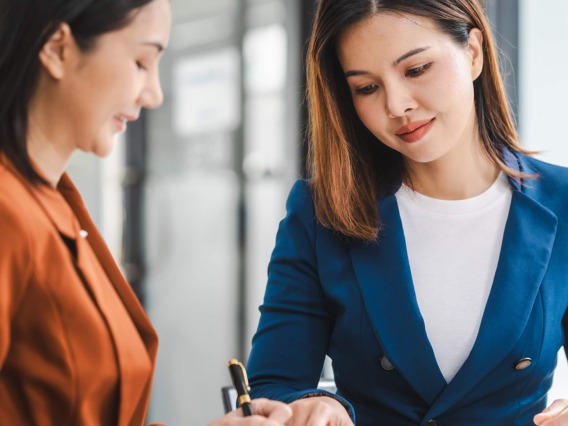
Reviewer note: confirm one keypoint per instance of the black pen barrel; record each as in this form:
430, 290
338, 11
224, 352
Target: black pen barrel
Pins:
240, 382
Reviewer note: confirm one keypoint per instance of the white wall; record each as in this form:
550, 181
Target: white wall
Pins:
544, 78
543, 87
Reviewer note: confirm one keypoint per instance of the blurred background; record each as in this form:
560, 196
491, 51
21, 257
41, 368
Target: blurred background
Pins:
191, 198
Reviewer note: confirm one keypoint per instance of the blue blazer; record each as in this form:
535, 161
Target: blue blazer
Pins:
355, 301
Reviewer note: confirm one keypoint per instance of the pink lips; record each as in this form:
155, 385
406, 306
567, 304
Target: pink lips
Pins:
120, 125
121, 120
413, 132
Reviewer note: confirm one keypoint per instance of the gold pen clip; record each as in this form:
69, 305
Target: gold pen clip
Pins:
242, 367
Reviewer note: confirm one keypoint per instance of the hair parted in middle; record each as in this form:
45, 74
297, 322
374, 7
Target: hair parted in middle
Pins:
349, 168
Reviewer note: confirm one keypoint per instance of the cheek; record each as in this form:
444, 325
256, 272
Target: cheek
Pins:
457, 84
370, 114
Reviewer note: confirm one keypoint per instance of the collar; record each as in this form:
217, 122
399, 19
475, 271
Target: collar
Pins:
512, 160
51, 200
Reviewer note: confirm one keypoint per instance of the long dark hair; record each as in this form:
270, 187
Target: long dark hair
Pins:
26, 25
349, 168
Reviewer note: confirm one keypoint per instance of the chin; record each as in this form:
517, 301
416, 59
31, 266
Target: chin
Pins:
103, 153
103, 148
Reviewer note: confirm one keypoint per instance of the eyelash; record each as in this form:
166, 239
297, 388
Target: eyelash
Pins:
418, 71
411, 73
366, 90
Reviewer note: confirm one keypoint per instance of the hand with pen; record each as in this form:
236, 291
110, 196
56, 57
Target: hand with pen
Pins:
555, 415
261, 412
266, 413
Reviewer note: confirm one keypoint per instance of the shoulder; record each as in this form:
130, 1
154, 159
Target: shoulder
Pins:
545, 176
548, 183
300, 219
15, 198
17, 230
301, 192
15, 203
300, 204
547, 171
300, 195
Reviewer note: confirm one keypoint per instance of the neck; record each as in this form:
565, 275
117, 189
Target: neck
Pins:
48, 157
457, 176
46, 143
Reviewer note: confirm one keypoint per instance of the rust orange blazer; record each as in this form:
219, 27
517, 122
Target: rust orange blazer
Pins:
76, 347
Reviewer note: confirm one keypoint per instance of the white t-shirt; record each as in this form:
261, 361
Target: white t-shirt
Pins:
453, 247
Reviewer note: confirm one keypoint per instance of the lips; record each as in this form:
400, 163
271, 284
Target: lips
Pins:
120, 123
413, 132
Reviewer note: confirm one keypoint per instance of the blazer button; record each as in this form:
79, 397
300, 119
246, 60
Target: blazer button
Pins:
432, 423
523, 363
386, 364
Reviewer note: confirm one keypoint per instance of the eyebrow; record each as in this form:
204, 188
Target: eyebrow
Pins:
411, 53
395, 63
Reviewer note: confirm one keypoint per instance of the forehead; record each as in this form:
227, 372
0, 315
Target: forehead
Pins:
153, 20
389, 35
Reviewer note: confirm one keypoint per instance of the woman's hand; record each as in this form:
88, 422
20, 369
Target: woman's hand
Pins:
319, 411
266, 413
555, 415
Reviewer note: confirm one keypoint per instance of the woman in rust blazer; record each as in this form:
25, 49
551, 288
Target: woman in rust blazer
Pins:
76, 347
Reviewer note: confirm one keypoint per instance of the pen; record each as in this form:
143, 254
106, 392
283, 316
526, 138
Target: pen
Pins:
241, 384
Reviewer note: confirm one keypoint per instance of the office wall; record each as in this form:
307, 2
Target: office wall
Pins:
543, 96
543, 78
221, 157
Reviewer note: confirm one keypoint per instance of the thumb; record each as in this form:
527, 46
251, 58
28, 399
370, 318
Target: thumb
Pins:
556, 408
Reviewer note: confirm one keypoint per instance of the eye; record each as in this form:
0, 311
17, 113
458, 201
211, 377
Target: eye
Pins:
418, 71
140, 66
366, 90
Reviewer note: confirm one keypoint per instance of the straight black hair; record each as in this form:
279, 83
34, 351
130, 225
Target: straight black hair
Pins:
26, 25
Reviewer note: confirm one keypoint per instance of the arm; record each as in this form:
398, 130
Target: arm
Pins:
295, 326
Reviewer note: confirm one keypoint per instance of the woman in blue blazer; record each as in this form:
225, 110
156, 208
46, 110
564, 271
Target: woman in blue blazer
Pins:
427, 255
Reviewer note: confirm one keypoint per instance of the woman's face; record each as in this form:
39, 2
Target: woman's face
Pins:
412, 85
109, 84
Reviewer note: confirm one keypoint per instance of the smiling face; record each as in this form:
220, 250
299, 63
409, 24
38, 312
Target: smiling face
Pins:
98, 91
120, 77
412, 85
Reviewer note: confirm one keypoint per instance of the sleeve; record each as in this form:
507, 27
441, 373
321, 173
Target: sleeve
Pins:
14, 271
565, 329
292, 339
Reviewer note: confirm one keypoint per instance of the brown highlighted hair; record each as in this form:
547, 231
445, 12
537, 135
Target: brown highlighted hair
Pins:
349, 167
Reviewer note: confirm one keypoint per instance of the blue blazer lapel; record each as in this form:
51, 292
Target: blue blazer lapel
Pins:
383, 272
525, 252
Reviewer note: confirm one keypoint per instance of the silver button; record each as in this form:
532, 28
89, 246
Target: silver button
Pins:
386, 364
83, 233
523, 363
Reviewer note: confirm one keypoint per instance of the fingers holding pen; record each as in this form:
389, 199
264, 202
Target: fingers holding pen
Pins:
267, 413
273, 410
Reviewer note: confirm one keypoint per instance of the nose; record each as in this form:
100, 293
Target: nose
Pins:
398, 101
152, 95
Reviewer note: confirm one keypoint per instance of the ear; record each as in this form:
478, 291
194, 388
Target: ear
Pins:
475, 49
55, 53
